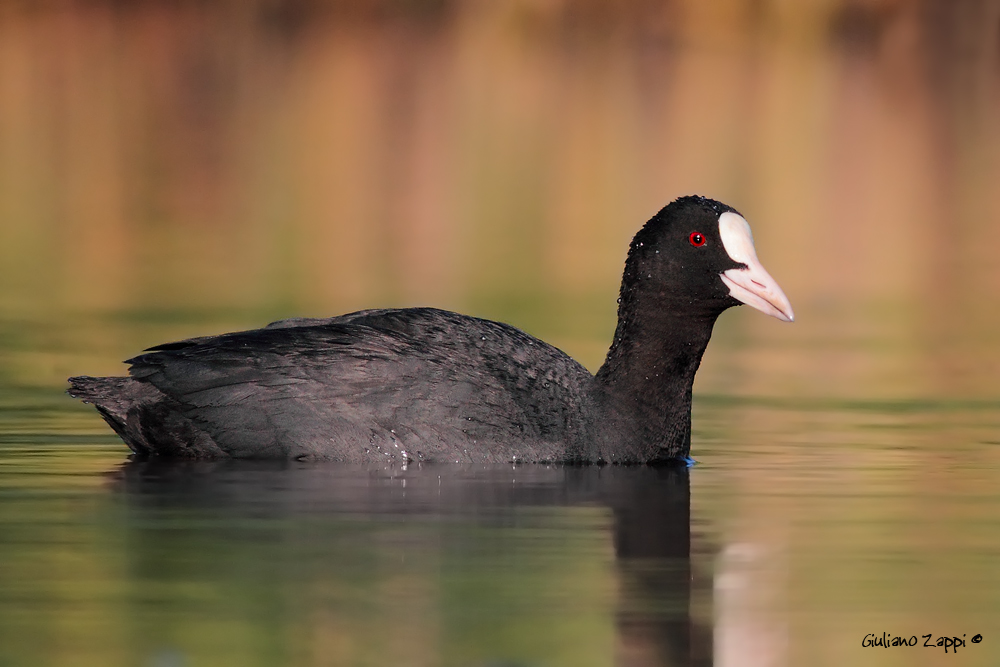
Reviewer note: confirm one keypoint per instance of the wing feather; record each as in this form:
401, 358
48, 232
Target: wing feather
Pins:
372, 384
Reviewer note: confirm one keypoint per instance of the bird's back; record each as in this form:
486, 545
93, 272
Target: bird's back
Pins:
419, 384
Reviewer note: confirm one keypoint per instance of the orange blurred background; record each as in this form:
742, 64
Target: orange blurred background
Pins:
219, 164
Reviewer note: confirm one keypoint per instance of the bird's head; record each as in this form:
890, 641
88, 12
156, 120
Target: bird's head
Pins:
698, 255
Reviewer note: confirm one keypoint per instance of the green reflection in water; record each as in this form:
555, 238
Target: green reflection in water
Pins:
94, 575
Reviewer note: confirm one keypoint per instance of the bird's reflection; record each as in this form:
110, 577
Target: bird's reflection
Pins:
650, 506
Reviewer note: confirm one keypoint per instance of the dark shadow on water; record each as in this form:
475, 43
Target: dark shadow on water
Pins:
650, 509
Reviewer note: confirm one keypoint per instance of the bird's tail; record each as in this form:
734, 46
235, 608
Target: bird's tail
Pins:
112, 396
91, 389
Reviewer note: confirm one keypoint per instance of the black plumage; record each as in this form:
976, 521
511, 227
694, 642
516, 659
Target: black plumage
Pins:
423, 384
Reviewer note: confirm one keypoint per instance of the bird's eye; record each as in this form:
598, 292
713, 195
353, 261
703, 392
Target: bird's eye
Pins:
697, 239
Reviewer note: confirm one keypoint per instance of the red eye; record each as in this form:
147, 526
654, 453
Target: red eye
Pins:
697, 240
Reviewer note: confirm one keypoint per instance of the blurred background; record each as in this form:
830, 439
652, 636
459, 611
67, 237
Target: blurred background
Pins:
235, 161
178, 168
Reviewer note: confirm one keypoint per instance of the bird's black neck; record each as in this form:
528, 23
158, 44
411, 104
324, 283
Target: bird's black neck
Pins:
649, 371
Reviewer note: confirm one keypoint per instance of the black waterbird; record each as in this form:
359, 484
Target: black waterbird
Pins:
421, 384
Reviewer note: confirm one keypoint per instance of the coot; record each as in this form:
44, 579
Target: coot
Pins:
421, 384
